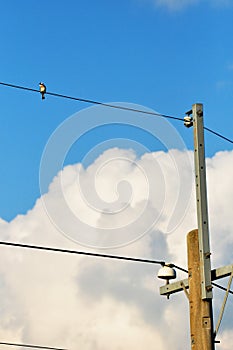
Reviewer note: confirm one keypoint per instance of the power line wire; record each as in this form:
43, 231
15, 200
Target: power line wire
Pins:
178, 267
221, 287
68, 251
93, 102
111, 106
31, 346
218, 134
98, 255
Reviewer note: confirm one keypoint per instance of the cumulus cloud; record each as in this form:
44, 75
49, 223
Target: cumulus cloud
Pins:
128, 206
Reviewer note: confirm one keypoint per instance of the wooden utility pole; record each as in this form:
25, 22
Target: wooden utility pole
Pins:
199, 265
201, 318
201, 276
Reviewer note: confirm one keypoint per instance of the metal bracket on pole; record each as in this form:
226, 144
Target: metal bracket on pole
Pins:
201, 198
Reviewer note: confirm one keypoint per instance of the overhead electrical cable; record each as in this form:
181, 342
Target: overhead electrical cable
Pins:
93, 102
221, 287
31, 346
98, 255
177, 267
219, 135
85, 100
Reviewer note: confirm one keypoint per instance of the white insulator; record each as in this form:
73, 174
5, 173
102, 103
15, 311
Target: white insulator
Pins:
167, 273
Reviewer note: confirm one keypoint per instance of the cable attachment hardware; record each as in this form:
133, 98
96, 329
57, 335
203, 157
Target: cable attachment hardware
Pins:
188, 119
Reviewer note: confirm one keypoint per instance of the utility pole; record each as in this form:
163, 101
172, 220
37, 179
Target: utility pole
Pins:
200, 276
201, 306
200, 310
201, 200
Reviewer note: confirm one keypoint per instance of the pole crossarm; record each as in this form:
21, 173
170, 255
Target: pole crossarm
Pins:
179, 286
174, 287
221, 272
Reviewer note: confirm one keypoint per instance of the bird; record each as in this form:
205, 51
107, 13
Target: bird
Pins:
42, 90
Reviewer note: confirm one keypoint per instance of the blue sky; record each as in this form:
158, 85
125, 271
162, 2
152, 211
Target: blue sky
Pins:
130, 197
165, 55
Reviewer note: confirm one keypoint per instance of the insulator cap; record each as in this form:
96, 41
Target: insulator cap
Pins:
188, 121
166, 273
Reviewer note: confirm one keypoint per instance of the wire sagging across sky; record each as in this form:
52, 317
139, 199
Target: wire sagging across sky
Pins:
97, 255
85, 100
30, 346
218, 134
92, 102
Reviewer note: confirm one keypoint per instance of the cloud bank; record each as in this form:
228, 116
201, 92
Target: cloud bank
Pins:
96, 304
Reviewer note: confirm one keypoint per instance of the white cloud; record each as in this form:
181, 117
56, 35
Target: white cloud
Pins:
94, 304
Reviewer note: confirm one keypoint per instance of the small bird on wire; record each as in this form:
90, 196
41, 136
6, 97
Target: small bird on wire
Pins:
42, 90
